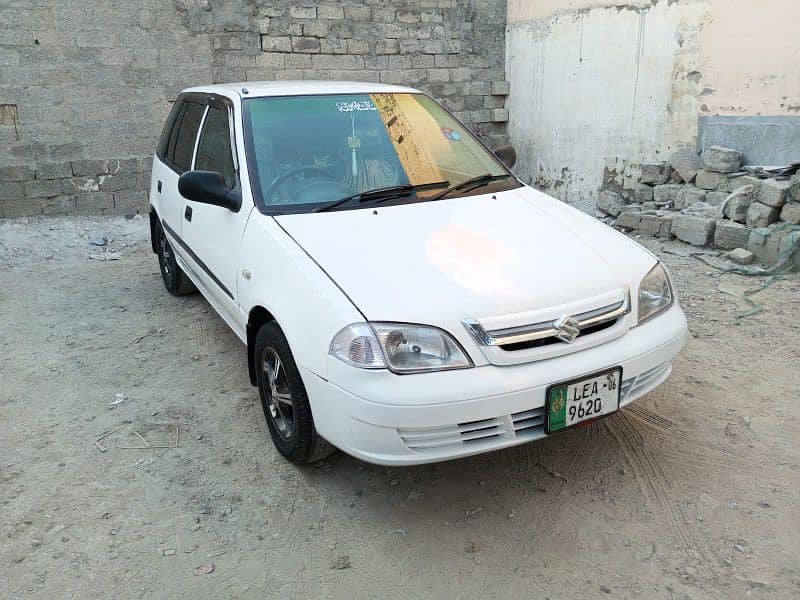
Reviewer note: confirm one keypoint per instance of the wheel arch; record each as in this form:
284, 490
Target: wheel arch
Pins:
257, 317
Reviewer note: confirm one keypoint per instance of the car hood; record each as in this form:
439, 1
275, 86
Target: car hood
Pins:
474, 257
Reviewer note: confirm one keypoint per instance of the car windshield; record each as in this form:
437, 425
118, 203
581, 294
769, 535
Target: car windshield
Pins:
306, 151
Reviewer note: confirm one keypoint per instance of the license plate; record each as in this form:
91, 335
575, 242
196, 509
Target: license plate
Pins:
574, 402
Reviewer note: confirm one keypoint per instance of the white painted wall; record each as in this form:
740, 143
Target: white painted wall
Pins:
598, 87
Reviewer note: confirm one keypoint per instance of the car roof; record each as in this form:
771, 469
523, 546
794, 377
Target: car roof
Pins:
261, 89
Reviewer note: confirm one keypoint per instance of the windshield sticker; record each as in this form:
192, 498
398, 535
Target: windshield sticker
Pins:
451, 135
355, 105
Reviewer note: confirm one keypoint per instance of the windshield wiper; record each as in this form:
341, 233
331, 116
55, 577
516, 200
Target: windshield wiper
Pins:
474, 182
383, 194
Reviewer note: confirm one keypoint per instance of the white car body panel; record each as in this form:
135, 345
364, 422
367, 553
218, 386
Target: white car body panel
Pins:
307, 304
503, 259
498, 256
168, 179
368, 414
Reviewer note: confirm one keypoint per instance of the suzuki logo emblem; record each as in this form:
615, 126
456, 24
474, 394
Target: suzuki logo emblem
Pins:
568, 328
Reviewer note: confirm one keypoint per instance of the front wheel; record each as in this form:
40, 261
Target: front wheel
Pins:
284, 399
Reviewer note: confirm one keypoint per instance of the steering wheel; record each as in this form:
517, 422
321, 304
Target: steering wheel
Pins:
281, 179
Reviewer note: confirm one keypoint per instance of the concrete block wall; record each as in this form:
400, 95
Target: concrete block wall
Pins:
85, 85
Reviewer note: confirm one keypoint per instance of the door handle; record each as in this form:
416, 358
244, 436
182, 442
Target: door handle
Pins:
159, 186
187, 214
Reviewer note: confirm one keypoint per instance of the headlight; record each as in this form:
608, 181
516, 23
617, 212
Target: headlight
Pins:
400, 347
655, 293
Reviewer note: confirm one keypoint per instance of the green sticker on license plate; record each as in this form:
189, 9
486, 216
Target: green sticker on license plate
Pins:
557, 416
581, 400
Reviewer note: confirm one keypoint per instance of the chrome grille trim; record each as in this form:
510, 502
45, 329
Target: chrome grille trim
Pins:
546, 329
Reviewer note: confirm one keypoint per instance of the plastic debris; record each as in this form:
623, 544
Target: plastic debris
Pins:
143, 462
101, 239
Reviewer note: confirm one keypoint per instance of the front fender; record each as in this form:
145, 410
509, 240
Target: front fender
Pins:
288, 286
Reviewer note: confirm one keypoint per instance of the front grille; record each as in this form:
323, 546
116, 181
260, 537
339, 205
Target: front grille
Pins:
554, 340
545, 333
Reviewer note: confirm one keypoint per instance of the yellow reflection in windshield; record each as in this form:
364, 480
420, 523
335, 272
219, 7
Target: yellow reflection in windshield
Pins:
398, 112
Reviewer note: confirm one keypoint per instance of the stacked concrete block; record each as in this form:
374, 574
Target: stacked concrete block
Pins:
655, 173
698, 231
643, 193
657, 224
687, 196
629, 220
793, 192
710, 180
736, 208
772, 193
686, 163
610, 203
760, 213
729, 235
791, 210
769, 199
737, 181
722, 160
770, 244
791, 213
665, 195
716, 198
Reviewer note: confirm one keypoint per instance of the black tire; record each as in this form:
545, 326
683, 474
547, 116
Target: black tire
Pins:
290, 422
175, 280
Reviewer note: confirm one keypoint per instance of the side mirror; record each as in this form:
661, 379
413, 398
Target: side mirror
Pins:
507, 154
209, 187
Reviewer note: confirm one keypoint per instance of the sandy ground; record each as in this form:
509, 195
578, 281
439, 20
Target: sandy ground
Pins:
690, 493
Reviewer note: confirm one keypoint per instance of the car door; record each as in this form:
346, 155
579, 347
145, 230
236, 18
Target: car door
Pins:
175, 152
213, 234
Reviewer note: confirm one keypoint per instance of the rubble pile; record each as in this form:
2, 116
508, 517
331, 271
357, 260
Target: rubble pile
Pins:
713, 200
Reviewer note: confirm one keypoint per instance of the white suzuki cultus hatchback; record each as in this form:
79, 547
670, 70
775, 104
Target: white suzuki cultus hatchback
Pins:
402, 295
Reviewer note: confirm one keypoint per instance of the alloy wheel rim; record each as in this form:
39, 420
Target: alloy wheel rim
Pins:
166, 254
279, 396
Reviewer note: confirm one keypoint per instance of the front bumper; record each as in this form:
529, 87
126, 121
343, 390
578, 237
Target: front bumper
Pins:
390, 419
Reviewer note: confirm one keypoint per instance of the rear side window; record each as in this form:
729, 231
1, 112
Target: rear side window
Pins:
181, 144
214, 148
169, 125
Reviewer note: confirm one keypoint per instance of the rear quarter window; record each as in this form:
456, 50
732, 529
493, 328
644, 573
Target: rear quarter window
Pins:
176, 145
169, 124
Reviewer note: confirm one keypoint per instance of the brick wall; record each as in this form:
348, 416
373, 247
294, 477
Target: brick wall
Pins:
85, 85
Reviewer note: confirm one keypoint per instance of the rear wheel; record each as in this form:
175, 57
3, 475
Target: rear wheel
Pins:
175, 280
284, 399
